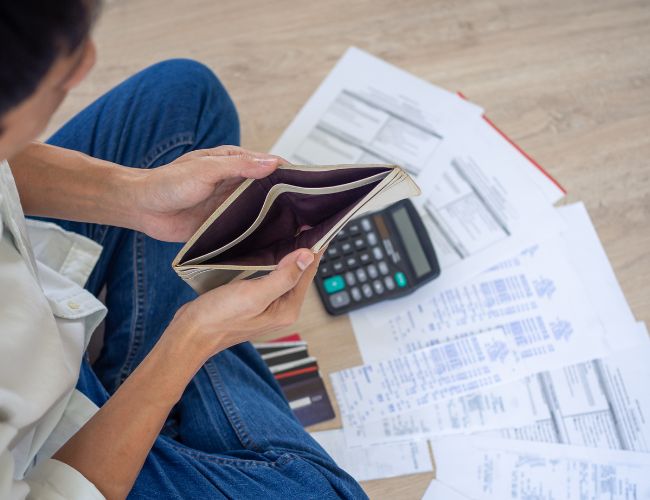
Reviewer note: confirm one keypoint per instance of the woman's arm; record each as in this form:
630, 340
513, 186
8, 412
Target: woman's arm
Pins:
111, 448
65, 184
168, 203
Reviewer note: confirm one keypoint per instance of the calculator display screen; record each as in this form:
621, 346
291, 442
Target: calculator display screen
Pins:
411, 242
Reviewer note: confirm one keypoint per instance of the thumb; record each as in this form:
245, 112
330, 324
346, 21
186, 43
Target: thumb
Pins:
286, 276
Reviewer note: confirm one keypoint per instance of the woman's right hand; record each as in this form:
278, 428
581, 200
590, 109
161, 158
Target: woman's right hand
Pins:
245, 309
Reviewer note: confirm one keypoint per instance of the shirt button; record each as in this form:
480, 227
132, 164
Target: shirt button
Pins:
73, 305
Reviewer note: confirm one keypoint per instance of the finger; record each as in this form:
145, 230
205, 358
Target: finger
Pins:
236, 166
299, 292
239, 151
287, 275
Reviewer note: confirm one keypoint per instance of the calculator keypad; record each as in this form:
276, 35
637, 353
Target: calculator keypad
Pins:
356, 269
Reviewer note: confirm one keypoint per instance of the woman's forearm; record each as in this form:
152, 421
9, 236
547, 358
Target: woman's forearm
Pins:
64, 184
110, 449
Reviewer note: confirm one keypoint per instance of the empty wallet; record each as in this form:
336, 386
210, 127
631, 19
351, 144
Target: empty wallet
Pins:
297, 206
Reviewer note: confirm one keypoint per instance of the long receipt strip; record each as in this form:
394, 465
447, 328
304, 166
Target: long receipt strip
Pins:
481, 196
603, 403
485, 468
600, 403
378, 461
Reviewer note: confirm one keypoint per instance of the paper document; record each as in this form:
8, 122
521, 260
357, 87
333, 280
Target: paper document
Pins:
440, 491
603, 403
368, 111
376, 462
508, 405
484, 468
563, 282
481, 202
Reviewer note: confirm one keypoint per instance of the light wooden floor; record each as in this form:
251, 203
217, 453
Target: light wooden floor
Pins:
568, 80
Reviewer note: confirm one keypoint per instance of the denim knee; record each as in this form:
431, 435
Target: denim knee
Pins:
201, 92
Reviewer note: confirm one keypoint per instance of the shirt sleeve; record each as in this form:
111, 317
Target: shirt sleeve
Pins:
55, 480
50, 480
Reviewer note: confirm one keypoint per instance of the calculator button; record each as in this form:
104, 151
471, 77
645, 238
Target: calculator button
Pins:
400, 279
372, 239
350, 279
346, 247
334, 284
372, 271
324, 271
359, 244
378, 287
367, 290
342, 234
337, 265
352, 262
332, 251
340, 299
388, 281
361, 275
354, 229
365, 224
383, 268
377, 253
356, 293
364, 258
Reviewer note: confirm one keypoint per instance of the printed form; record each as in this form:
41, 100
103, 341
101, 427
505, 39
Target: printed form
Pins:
603, 403
484, 468
377, 461
482, 197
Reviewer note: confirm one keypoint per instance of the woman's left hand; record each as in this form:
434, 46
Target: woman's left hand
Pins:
173, 201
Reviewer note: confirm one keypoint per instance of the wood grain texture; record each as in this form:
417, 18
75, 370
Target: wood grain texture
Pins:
568, 80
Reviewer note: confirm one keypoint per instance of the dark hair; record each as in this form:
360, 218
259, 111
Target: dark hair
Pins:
33, 34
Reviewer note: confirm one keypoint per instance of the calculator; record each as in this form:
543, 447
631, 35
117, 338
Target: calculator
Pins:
383, 255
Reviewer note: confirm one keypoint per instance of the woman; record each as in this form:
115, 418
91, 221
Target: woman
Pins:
177, 405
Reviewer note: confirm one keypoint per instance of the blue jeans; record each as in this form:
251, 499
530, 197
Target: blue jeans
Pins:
232, 434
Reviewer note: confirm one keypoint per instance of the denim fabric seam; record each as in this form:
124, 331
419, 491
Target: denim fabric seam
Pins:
137, 325
164, 147
282, 459
137, 328
228, 406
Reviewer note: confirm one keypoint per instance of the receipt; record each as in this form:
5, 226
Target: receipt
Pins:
510, 405
378, 461
485, 468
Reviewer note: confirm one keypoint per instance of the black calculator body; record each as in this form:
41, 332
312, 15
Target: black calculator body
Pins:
383, 255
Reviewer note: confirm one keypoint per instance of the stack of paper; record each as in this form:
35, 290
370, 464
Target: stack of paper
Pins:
526, 335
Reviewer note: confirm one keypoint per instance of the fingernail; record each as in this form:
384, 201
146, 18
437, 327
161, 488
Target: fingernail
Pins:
304, 260
266, 162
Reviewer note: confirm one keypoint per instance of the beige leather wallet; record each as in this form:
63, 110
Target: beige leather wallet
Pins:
297, 206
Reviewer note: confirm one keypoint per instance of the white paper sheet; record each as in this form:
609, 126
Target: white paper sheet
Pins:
481, 196
509, 405
440, 491
562, 281
459, 367
603, 403
376, 462
368, 111
482, 201
484, 468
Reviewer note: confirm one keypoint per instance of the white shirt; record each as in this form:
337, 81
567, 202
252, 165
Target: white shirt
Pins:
46, 319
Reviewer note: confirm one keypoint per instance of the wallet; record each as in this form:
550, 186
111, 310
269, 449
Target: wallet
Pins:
297, 206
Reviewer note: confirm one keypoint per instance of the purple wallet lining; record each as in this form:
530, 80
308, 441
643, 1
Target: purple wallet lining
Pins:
277, 235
